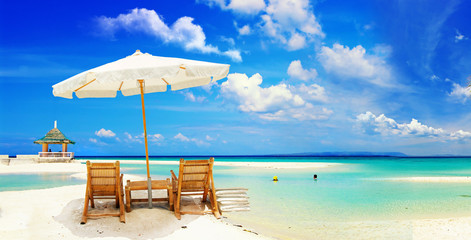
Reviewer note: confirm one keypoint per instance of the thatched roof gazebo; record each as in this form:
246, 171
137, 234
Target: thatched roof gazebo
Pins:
54, 136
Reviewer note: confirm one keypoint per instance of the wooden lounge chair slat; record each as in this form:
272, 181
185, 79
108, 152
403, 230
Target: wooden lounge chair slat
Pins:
190, 194
103, 197
104, 181
196, 164
202, 181
196, 212
145, 200
202, 161
103, 215
195, 177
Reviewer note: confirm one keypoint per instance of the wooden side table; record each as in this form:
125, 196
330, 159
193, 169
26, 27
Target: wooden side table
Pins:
142, 185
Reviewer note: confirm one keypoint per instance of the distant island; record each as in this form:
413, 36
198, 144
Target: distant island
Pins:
346, 154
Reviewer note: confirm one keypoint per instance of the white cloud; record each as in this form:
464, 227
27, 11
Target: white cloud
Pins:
156, 137
278, 102
181, 137
293, 20
97, 142
368, 27
372, 124
459, 36
296, 42
306, 113
183, 31
105, 133
209, 86
297, 14
245, 30
128, 136
296, 70
212, 3
254, 98
311, 92
288, 22
272, 29
229, 40
131, 138
234, 55
460, 93
460, 135
197, 141
355, 63
248, 7
191, 97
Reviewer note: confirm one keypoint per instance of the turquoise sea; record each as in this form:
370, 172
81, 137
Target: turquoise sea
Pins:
353, 191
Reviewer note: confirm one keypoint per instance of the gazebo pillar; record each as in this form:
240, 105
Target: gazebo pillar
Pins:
64, 147
45, 147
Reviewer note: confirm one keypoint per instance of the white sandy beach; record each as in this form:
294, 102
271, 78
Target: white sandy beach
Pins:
430, 179
55, 214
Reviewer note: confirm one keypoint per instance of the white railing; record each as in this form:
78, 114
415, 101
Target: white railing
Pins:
56, 154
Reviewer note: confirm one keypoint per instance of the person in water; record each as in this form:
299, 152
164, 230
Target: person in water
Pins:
275, 179
315, 177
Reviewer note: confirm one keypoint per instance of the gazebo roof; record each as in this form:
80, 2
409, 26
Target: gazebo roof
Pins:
54, 137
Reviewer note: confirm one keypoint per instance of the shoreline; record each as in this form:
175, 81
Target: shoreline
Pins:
76, 166
270, 165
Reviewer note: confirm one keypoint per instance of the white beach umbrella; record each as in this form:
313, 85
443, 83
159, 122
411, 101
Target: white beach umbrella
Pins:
138, 74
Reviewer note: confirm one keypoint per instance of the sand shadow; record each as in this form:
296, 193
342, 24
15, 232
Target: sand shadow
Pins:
141, 222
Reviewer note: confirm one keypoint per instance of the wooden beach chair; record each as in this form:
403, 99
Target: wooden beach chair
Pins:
103, 182
195, 178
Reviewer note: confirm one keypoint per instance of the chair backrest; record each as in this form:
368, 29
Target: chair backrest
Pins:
195, 175
104, 178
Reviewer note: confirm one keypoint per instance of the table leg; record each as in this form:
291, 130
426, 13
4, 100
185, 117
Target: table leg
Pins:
170, 194
128, 198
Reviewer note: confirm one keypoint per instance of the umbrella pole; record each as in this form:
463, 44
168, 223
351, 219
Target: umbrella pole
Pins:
149, 181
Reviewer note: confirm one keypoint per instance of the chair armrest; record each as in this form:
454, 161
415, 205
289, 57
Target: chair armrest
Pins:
174, 178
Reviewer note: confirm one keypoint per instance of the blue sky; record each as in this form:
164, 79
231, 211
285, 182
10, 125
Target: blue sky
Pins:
305, 76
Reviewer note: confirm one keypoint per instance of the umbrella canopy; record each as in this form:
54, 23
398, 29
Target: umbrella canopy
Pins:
157, 72
138, 74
